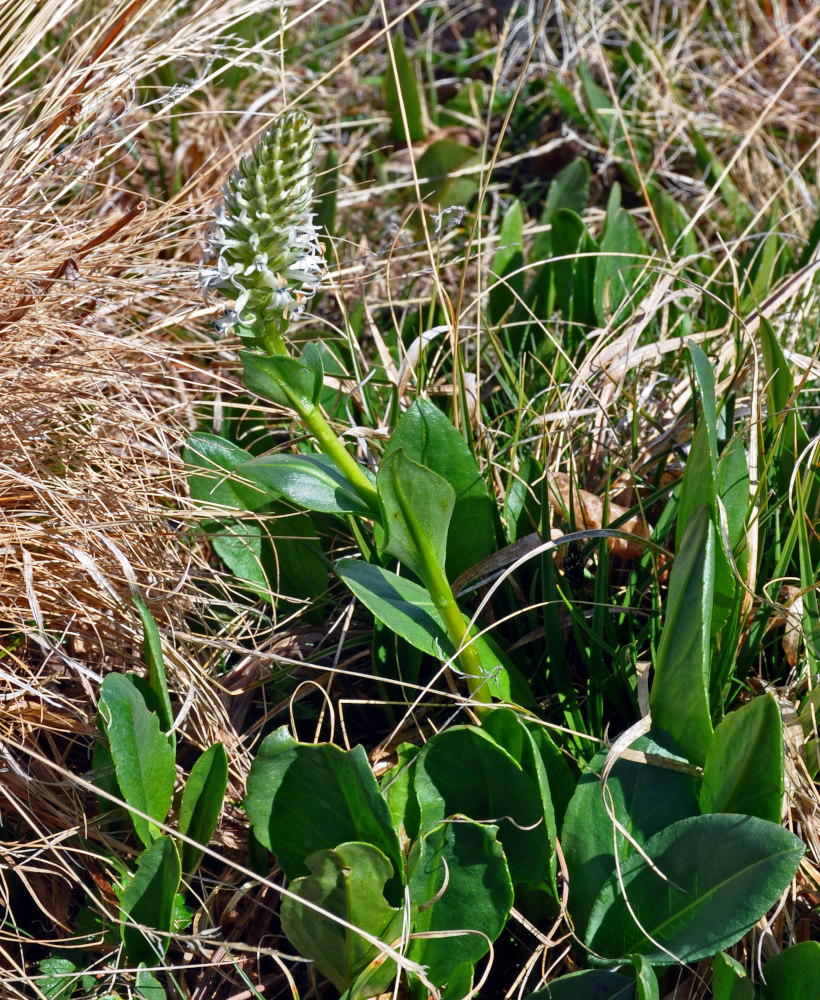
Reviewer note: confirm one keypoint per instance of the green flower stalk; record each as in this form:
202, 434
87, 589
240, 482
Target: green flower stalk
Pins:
268, 258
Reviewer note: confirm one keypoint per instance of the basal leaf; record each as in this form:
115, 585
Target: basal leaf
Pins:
463, 771
142, 755
347, 882
598, 983
620, 266
507, 281
149, 900
58, 978
303, 798
680, 693
794, 974
722, 873
202, 800
729, 979
152, 650
148, 986
460, 882
744, 767
644, 798
402, 94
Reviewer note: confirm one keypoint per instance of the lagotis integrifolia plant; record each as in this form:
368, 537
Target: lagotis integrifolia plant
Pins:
268, 258
270, 263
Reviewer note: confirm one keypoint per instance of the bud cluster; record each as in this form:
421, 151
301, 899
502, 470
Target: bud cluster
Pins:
268, 259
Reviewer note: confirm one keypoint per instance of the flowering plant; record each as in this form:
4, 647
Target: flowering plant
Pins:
268, 258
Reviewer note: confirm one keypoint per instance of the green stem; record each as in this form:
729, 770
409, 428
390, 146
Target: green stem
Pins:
440, 590
331, 445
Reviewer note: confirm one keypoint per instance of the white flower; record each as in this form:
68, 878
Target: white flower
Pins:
268, 257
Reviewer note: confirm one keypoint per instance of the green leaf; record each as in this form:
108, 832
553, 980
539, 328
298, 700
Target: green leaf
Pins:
680, 692
729, 979
152, 650
463, 771
733, 490
428, 438
327, 188
786, 437
397, 787
744, 767
149, 900
211, 461
712, 170
522, 506
530, 743
620, 266
673, 222
303, 798
409, 611
460, 869
794, 974
724, 872
646, 982
645, 798
148, 986
507, 275
417, 506
404, 606
436, 167
239, 545
201, 804
348, 882
143, 758
59, 978
401, 90
310, 481
295, 561
568, 189
282, 379
598, 983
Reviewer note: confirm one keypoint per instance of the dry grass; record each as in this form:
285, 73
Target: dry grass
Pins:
107, 360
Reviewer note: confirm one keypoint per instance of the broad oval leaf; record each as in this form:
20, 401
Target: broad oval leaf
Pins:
211, 462
645, 798
202, 800
148, 986
794, 974
239, 545
143, 758
463, 771
304, 797
149, 900
744, 767
58, 978
460, 868
724, 872
348, 882
310, 481
729, 979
